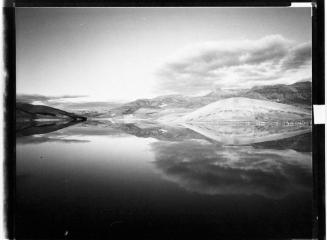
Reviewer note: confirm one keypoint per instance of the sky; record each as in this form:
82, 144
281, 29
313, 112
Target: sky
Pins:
123, 54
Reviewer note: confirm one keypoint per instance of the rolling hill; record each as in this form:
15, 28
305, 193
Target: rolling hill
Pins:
246, 109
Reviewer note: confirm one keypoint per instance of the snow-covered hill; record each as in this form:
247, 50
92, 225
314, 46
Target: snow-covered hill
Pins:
246, 109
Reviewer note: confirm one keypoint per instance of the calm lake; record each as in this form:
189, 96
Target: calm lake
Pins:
98, 178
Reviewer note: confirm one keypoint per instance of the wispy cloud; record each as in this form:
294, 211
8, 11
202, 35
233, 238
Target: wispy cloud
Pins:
32, 98
298, 57
202, 67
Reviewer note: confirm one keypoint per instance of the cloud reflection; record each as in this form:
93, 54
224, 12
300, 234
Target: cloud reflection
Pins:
210, 169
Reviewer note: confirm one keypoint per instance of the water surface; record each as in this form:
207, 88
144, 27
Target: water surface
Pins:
98, 178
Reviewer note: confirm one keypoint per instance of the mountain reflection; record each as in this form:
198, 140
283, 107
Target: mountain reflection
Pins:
37, 139
32, 127
300, 143
206, 168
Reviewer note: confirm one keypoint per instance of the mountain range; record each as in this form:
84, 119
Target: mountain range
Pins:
297, 94
168, 107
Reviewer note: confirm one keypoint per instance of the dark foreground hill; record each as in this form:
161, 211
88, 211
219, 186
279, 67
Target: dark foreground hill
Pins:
29, 112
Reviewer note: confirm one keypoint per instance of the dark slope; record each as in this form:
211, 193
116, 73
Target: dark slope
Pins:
29, 112
295, 94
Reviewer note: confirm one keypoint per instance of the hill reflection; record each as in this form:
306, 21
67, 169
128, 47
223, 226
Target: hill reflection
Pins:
242, 134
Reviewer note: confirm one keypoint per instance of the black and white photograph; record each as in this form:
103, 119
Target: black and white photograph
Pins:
170, 122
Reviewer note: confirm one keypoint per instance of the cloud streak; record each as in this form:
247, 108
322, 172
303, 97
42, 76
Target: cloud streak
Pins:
30, 98
241, 64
